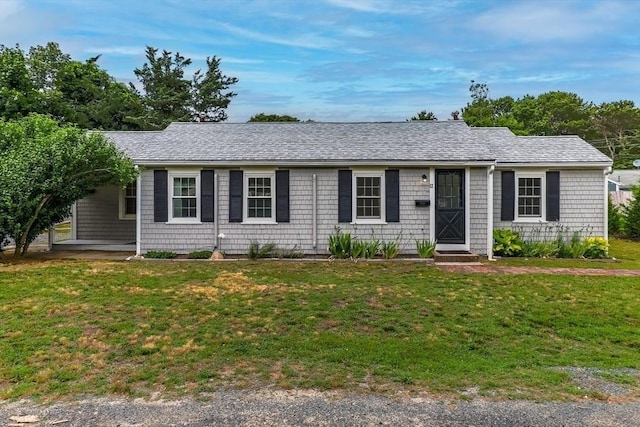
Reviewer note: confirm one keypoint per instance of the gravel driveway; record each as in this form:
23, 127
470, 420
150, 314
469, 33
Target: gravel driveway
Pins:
299, 408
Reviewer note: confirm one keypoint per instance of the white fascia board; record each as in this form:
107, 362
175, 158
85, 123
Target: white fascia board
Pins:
316, 163
555, 165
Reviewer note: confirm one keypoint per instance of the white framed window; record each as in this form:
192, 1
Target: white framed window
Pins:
368, 197
260, 197
530, 191
127, 203
184, 196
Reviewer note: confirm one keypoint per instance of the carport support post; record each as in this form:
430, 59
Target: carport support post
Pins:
138, 214
490, 172
51, 237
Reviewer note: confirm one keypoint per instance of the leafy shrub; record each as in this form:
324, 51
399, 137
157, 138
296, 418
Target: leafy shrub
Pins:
573, 248
506, 242
596, 247
340, 244
425, 248
205, 254
390, 250
371, 248
160, 254
541, 243
615, 218
631, 222
577, 248
358, 248
268, 250
538, 249
289, 253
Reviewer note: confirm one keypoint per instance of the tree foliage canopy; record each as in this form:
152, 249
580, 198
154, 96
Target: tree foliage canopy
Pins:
48, 81
631, 221
612, 127
169, 96
45, 80
210, 95
45, 168
423, 115
262, 117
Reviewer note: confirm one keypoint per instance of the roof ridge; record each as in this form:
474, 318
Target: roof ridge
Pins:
549, 136
303, 122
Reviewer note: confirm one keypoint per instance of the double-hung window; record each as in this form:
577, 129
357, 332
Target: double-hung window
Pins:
184, 188
368, 197
530, 191
128, 201
260, 197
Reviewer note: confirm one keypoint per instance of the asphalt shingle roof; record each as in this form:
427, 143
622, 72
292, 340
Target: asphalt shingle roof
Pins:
627, 178
446, 141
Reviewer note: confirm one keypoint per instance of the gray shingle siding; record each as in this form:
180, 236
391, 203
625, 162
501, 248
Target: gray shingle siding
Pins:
478, 210
582, 206
98, 217
181, 238
298, 232
322, 149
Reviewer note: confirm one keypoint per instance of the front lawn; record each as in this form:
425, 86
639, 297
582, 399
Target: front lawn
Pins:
180, 328
625, 255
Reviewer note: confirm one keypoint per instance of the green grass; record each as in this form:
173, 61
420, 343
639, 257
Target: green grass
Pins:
626, 254
74, 327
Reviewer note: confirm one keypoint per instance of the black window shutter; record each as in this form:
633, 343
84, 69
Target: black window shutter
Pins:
508, 195
344, 196
160, 202
235, 195
553, 196
282, 196
392, 195
206, 195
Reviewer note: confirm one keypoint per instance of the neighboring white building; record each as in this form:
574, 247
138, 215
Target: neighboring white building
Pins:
620, 182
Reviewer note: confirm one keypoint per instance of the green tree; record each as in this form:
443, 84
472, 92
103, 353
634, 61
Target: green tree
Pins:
92, 99
168, 96
18, 95
119, 107
614, 218
45, 168
423, 115
617, 128
210, 95
262, 117
631, 212
48, 81
479, 112
483, 111
44, 62
554, 113
166, 93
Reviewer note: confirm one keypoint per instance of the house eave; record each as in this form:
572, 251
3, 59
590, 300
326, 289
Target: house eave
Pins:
554, 165
314, 163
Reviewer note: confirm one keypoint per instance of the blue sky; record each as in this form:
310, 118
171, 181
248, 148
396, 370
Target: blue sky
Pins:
356, 60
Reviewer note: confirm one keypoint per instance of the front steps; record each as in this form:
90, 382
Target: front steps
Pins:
455, 257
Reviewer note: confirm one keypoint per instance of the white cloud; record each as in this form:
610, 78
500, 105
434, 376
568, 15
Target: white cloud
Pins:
374, 6
232, 60
310, 41
8, 9
358, 32
548, 21
548, 78
395, 7
116, 50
